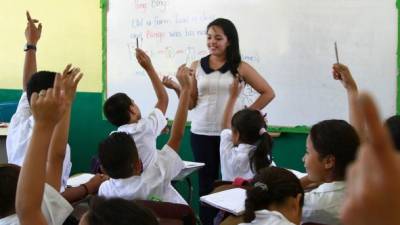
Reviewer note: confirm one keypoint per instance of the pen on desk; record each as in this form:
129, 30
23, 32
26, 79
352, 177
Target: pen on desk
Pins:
336, 53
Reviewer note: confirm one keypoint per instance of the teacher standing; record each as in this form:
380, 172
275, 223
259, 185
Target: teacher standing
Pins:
213, 76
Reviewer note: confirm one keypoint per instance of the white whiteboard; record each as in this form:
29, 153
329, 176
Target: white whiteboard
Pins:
289, 42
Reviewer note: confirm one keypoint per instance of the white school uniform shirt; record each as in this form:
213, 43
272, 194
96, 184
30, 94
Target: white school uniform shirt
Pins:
154, 181
266, 217
322, 204
55, 209
145, 133
213, 93
235, 160
19, 136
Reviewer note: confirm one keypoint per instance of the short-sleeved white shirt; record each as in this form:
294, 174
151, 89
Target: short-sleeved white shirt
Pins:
234, 159
19, 136
54, 208
154, 181
266, 217
145, 133
322, 204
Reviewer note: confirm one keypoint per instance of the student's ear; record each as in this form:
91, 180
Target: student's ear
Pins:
329, 162
138, 167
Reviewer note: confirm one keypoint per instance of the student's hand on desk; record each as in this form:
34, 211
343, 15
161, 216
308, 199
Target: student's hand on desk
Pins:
48, 106
184, 77
342, 73
169, 83
70, 80
373, 181
32, 32
94, 183
143, 59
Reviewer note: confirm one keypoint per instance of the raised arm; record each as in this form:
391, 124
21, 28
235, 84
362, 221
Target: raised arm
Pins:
235, 89
255, 80
162, 96
47, 109
178, 127
69, 82
342, 73
193, 92
32, 35
171, 84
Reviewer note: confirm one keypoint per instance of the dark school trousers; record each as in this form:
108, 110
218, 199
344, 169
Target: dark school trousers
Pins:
206, 149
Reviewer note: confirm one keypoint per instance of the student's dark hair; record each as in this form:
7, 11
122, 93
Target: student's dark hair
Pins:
393, 124
41, 80
9, 174
336, 138
117, 211
116, 109
233, 57
248, 123
273, 185
118, 155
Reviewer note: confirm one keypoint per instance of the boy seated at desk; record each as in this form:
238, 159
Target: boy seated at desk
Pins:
124, 113
120, 160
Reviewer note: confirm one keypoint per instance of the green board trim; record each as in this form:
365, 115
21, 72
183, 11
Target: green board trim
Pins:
273, 128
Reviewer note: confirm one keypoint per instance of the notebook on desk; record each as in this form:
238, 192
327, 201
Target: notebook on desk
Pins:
231, 200
189, 168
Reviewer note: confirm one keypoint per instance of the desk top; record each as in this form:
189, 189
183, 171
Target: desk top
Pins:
3, 131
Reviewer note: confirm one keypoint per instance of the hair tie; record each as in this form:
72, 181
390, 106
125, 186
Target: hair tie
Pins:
263, 186
262, 131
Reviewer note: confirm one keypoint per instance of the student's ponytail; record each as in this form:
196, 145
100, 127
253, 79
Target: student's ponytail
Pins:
272, 185
262, 156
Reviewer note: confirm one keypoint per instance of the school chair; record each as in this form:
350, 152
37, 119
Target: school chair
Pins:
167, 210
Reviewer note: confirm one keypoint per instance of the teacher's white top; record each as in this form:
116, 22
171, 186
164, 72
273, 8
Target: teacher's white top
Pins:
213, 93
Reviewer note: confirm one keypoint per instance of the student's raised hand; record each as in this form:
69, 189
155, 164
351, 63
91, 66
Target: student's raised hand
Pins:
183, 76
70, 80
373, 181
236, 87
143, 59
32, 32
169, 83
341, 72
48, 106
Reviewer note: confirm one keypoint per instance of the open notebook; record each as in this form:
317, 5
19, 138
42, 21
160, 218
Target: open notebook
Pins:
231, 200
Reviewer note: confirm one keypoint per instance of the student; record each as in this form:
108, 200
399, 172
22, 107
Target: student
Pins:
393, 125
245, 143
373, 181
331, 147
22, 122
37, 199
119, 158
122, 111
275, 198
117, 211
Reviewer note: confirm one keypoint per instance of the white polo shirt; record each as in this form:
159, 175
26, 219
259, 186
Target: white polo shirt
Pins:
145, 133
155, 181
322, 204
19, 136
234, 159
266, 217
54, 208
